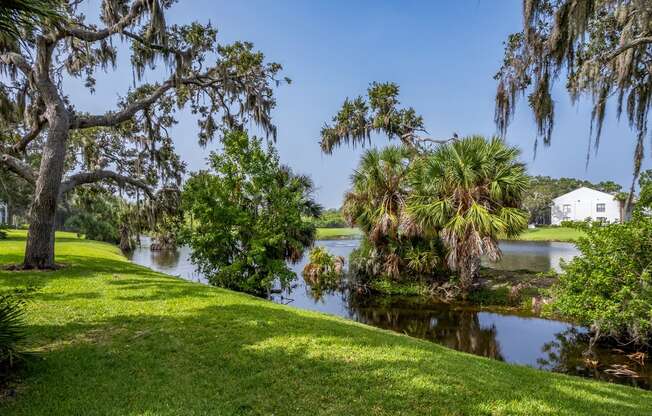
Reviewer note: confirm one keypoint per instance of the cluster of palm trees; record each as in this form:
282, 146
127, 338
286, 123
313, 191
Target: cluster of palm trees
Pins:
439, 210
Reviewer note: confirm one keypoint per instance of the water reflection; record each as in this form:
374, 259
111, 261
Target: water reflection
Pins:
534, 256
458, 329
545, 344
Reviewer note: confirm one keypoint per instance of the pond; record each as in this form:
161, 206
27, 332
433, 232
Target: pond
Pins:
515, 338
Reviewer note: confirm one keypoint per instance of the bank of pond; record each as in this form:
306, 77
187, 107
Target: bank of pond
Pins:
485, 327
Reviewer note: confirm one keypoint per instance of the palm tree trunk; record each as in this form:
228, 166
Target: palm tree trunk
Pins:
469, 270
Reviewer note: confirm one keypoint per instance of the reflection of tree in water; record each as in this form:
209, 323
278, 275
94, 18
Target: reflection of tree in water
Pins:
457, 329
316, 292
567, 353
165, 258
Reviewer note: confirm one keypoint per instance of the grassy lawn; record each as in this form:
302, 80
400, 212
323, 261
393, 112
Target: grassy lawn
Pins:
550, 234
337, 233
119, 339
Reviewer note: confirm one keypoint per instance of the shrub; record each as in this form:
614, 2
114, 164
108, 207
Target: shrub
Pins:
323, 268
3, 234
12, 331
609, 287
249, 214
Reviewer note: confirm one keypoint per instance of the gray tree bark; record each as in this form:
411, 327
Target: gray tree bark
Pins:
39, 253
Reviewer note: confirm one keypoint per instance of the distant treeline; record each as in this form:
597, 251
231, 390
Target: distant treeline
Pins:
331, 218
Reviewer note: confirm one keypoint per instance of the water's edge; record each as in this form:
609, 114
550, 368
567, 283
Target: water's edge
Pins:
540, 343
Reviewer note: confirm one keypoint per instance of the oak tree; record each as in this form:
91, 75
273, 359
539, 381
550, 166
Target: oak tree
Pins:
604, 50
223, 85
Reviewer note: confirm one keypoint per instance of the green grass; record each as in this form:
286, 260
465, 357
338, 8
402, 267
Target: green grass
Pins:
337, 233
563, 234
119, 339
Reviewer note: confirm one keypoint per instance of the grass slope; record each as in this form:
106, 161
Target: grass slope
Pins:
563, 234
337, 233
120, 339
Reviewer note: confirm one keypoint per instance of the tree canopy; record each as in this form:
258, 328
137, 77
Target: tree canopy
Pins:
602, 47
250, 214
379, 112
223, 85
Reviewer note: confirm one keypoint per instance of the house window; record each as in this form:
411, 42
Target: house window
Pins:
566, 209
600, 208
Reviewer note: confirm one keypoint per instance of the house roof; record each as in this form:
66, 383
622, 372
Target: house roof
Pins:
587, 189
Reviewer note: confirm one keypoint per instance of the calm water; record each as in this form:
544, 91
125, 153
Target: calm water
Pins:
540, 343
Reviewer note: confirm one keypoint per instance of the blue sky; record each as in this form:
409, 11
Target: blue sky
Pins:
443, 55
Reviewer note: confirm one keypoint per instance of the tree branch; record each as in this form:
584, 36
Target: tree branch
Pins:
634, 43
151, 45
16, 59
418, 141
115, 118
19, 167
89, 35
100, 175
27, 139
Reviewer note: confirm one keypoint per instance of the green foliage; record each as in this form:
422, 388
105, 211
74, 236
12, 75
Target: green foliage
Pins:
392, 246
377, 113
610, 285
330, 218
20, 16
99, 215
12, 330
121, 339
644, 203
323, 269
471, 190
249, 214
602, 48
94, 215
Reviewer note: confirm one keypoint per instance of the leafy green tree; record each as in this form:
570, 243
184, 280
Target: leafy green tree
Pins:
249, 214
603, 47
609, 287
471, 190
225, 86
644, 203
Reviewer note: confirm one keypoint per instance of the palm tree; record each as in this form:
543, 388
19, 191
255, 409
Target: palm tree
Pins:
377, 198
471, 190
19, 16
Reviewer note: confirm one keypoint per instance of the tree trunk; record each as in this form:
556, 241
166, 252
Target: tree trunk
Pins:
39, 253
469, 270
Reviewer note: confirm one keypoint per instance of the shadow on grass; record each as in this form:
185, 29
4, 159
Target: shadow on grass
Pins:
252, 357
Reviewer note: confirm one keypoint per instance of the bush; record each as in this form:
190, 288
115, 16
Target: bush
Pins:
249, 212
609, 287
12, 331
323, 268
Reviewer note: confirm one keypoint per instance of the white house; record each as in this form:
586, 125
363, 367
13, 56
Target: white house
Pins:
4, 213
584, 203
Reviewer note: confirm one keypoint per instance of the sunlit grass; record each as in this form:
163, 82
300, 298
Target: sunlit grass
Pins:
337, 233
563, 234
119, 339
